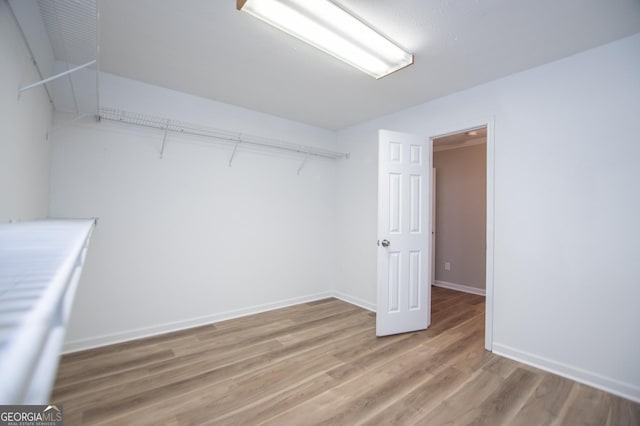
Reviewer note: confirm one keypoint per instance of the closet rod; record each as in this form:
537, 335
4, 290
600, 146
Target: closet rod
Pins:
53, 77
170, 125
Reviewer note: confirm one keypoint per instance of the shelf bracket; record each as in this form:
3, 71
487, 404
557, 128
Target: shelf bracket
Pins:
54, 77
302, 163
164, 139
235, 147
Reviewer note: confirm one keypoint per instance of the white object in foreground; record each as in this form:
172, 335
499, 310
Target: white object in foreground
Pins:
40, 264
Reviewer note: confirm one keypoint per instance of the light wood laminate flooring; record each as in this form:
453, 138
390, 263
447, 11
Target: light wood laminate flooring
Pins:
321, 363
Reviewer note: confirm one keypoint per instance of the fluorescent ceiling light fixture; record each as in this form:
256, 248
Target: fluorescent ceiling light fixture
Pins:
325, 25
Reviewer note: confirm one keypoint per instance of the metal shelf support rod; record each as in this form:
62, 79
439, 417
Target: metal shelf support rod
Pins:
54, 77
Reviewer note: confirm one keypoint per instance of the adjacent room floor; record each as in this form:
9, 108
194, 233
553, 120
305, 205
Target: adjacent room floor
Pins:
320, 363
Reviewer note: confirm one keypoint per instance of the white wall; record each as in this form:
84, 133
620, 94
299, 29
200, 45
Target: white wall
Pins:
186, 239
567, 204
24, 123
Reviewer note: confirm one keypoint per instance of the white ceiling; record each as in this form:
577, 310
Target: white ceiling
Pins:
208, 48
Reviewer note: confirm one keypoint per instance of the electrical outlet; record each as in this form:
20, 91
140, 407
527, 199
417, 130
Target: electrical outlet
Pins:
447, 266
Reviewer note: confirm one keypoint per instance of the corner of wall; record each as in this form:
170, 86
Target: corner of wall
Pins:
26, 120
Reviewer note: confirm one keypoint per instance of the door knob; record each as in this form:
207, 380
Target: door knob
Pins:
385, 243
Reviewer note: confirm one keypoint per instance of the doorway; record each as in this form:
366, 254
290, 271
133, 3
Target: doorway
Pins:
404, 229
466, 217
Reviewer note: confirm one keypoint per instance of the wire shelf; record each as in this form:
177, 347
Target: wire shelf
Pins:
72, 29
73, 32
41, 264
174, 126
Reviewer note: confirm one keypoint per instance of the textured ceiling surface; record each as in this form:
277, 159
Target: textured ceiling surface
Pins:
208, 48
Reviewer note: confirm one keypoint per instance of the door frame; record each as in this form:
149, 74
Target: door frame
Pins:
464, 126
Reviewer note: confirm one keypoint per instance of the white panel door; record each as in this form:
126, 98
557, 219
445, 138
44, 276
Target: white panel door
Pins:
404, 233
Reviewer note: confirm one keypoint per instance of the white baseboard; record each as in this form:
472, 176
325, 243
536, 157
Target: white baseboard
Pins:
110, 339
460, 287
616, 387
355, 301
